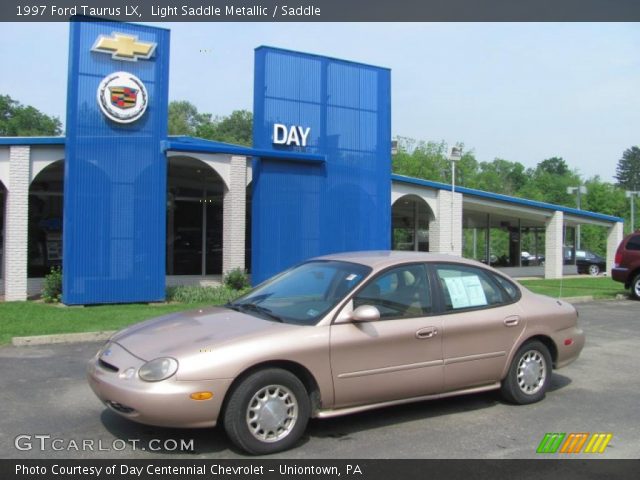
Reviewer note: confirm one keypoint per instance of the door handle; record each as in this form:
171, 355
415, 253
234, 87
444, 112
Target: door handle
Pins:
427, 332
512, 321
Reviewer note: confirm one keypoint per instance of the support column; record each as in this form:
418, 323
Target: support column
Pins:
445, 232
553, 256
614, 237
233, 218
17, 224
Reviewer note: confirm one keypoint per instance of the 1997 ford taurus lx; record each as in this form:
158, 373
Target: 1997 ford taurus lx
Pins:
336, 335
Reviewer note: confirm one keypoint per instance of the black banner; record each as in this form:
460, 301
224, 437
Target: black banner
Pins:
578, 469
323, 10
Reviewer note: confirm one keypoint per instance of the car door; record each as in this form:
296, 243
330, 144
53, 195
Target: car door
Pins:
481, 323
399, 355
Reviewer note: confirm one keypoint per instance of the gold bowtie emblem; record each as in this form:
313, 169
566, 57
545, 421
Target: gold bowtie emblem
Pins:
124, 47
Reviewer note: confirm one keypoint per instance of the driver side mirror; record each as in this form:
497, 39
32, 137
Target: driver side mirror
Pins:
365, 313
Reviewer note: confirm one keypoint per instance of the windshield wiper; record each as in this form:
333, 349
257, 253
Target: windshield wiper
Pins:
256, 308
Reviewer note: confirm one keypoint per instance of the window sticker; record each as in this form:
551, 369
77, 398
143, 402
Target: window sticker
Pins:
351, 277
466, 291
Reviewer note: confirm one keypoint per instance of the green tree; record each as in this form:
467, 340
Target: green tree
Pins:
17, 120
554, 166
602, 197
551, 178
184, 119
628, 169
501, 176
236, 128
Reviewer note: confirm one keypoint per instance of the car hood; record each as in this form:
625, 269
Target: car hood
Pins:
188, 332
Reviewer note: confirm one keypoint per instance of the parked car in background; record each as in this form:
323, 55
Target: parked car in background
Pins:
589, 262
336, 335
626, 268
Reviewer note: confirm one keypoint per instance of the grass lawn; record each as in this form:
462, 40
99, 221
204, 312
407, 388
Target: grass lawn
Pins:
598, 287
20, 319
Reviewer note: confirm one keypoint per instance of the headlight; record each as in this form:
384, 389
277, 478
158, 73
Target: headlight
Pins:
158, 369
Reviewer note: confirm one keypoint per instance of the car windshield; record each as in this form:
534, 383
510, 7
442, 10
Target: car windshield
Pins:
303, 294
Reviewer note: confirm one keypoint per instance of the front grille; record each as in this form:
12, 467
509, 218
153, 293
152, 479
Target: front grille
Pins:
118, 407
107, 366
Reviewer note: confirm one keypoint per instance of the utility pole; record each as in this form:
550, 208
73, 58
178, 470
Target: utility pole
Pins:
454, 156
631, 194
579, 190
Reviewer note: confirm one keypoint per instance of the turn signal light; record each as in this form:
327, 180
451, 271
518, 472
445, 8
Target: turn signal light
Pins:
201, 396
568, 341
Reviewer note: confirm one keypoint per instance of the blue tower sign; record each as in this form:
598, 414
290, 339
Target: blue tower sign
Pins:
339, 111
115, 171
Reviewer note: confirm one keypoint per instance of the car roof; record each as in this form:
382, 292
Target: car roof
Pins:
383, 258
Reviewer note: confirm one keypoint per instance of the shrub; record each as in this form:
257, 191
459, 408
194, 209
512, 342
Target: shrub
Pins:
196, 294
237, 279
52, 286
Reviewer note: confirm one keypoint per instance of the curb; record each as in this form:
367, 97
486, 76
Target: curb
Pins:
62, 338
582, 299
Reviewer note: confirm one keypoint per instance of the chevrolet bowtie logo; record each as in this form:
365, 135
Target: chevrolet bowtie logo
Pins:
124, 47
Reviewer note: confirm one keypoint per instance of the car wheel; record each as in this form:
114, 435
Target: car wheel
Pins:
268, 412
635, 287
529, 375
594, 270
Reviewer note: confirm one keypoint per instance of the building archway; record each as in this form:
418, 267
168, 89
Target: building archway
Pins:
195, 197
410, 218
45, 220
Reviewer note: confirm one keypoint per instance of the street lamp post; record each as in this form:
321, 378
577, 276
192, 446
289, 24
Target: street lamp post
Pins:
631, 196
455, 154
580, 190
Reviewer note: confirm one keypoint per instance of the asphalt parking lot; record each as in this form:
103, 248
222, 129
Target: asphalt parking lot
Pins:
44, 392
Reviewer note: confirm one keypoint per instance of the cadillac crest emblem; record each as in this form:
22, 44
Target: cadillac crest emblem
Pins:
122, 97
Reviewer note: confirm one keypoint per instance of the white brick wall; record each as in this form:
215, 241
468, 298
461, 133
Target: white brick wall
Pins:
445, 236
17, 223
233, 217
553, 255
614, 237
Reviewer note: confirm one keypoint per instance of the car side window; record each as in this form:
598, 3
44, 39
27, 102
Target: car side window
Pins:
508, 286
401, 292
467, 287
634, 243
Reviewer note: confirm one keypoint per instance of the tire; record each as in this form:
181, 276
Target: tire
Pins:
635, 287
528, 386
594, 270
259, 430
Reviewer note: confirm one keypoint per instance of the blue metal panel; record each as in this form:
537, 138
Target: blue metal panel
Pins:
304, 210
115, 175
506, 198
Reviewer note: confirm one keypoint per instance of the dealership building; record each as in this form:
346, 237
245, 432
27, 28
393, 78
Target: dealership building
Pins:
126, 209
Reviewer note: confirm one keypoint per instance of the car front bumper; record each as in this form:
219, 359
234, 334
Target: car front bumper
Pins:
166, 403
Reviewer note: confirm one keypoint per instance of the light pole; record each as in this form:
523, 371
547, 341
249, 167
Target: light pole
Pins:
631, 196
580, 190
455, 154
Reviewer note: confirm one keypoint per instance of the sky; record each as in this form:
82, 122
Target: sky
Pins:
518, 91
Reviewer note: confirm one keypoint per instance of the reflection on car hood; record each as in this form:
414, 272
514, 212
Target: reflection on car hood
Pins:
187, 332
